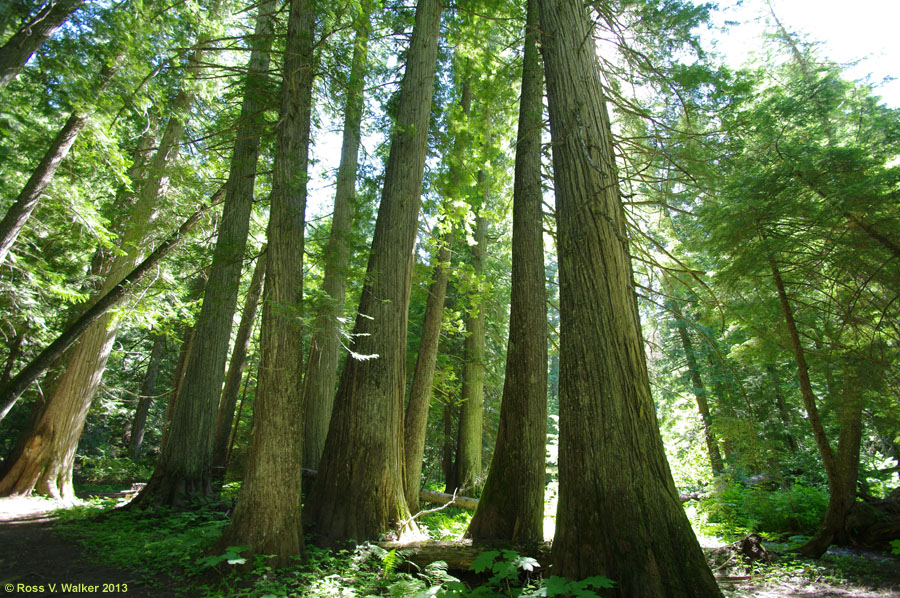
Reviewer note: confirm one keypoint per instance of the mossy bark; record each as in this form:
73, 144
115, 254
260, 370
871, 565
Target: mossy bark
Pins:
619, 513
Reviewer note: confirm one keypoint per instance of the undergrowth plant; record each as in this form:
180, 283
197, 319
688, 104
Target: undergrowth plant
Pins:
737, 510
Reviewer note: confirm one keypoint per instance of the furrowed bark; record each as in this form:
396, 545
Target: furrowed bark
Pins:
619, 513
267, 516
184, 465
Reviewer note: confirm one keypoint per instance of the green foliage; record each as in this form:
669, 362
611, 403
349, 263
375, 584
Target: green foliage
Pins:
506, 568
736, 510
895, 546
162, 541
109, 468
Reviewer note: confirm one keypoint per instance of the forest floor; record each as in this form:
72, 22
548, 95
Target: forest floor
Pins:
33, 554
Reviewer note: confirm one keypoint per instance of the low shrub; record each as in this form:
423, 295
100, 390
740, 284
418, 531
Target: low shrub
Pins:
736, 510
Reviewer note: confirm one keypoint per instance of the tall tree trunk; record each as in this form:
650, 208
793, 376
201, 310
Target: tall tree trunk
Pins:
324, 348
712, 443
146, 396
19, 212
511, 507
471, 412
619, 512
236, 367
367, 423
415, 421
267, 517
184, 465
842, 494
841, 469
19, 48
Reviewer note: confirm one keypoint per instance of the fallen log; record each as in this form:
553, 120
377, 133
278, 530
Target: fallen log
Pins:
439, 498
459, 556
429, 496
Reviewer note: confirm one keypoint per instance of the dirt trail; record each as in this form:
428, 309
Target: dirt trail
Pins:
35, 561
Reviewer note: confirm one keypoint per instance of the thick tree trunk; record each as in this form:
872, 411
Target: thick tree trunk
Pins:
512, 504
471, 413
619, 513
364, 447
19, 48
236, 366
148, 389
19, 212
842, 495
267, 517
712, 443
324, 350
415, 422
184, 465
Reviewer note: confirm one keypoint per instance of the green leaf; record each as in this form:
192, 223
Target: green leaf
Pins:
598, 581
484, 561
555, 586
